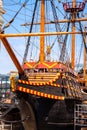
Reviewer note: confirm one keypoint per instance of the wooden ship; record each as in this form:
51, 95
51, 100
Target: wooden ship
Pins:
45, 92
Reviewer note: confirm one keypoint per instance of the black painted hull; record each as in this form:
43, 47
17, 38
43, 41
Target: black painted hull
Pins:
37, 113
52, 114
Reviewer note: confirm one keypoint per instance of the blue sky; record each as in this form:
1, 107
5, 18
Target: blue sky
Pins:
11, 7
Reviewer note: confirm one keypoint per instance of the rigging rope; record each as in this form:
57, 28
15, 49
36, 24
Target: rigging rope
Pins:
12, 26
12, 3
60, 38
10, 22
28, 41
82, 35
63, 50
57, 26
78, 63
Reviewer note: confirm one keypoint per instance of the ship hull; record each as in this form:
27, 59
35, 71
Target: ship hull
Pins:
47, 113
38, 113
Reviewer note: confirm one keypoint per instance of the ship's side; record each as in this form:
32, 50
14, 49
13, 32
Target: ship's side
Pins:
45, 99
52, 94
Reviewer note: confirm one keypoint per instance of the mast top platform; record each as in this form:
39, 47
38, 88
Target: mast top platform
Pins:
79, 6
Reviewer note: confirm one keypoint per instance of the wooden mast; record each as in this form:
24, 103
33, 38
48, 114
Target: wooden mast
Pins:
42, 56
73, 36
85, 76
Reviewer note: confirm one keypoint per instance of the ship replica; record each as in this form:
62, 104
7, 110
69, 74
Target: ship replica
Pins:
46, 91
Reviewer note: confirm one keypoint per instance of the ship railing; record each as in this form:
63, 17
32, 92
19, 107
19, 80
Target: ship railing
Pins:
42, 76
79, 6
6, 127
80, 116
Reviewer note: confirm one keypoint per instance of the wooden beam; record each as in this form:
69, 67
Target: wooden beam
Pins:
59, 21
39, 34
12, 55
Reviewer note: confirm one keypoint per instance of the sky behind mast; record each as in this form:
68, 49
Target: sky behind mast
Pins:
11, 7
